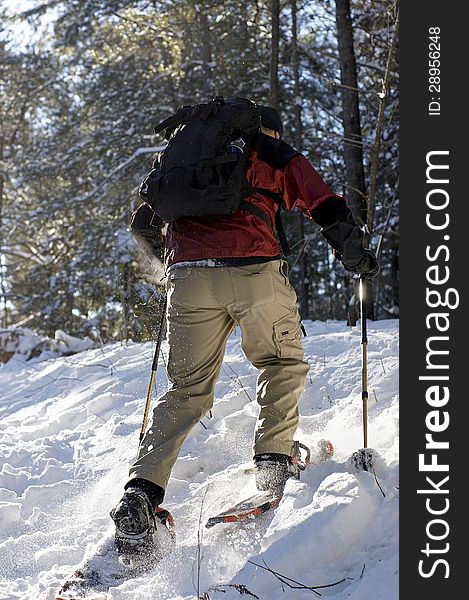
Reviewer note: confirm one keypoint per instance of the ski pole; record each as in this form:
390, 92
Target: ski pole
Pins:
154, 367
364, 343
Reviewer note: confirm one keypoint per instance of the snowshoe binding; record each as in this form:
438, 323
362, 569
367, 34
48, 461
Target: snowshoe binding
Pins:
273, 470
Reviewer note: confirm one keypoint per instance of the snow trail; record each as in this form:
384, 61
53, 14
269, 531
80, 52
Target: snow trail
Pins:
70, 430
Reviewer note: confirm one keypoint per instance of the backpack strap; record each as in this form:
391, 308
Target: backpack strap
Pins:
281, 232
282, 238
255, 210
183, 115
218, 160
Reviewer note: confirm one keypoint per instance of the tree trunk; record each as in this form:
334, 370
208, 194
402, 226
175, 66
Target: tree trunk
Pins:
377, 142
274, 82
303, 291
353, 148
2, 267
296, 79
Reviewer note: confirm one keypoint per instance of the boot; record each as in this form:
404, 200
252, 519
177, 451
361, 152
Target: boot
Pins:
273, 471
142, 526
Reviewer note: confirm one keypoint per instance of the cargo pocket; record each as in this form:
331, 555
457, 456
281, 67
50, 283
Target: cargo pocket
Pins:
287, 336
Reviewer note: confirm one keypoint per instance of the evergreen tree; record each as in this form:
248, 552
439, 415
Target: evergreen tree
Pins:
77, 110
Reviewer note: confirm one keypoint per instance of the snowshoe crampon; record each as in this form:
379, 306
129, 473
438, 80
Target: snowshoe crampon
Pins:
367, 459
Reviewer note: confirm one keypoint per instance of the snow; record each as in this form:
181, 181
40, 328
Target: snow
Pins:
22, 343
69, 433
207, 262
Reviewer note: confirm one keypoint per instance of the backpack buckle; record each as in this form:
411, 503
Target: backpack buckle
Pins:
228, 129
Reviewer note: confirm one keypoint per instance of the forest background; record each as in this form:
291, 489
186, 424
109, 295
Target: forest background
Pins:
82, 82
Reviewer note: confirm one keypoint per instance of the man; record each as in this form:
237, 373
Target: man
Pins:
223, 271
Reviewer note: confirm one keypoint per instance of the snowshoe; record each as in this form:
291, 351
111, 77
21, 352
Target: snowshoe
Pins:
143, 536
100, 570
272, 472
250, 508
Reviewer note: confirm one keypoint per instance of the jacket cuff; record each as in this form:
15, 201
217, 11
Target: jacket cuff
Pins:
347, 239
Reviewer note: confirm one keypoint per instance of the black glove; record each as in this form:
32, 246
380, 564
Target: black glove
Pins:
146, 227
347, 240
368, 265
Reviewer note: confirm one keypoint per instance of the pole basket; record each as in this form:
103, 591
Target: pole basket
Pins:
366, 459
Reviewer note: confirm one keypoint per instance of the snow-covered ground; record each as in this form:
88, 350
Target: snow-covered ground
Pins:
69, 431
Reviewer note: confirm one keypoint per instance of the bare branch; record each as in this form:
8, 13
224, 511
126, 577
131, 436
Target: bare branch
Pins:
377, 142
125, 164
298, 586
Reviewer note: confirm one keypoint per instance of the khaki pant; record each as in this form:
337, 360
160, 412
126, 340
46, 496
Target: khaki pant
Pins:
204, 305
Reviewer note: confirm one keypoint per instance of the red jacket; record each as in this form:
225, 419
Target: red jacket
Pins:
244, 234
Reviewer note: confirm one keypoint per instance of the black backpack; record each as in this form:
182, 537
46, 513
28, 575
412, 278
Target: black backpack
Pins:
201, 171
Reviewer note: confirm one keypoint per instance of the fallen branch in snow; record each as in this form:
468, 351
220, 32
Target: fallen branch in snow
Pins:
298, 586
242, 589
97, 336
38, 370
77, 363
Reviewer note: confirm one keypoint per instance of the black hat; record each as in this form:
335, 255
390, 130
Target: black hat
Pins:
270, 118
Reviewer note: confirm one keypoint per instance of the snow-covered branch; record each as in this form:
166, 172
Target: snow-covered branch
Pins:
99, 188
